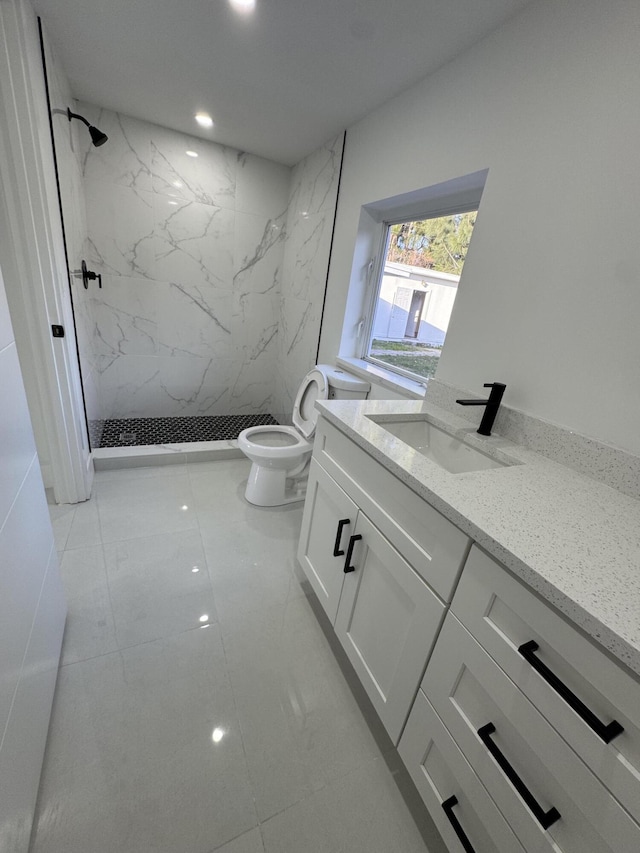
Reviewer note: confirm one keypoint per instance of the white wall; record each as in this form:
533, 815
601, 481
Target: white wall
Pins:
549, 104
32, 608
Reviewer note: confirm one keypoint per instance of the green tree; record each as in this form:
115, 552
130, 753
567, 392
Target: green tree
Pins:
439, 244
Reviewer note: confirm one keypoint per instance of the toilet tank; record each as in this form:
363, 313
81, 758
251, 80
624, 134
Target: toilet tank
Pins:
345, 386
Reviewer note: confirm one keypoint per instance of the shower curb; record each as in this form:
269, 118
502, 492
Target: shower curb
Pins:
141, 456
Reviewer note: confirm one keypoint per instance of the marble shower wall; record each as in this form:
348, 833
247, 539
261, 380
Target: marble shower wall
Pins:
191, 252
309, 225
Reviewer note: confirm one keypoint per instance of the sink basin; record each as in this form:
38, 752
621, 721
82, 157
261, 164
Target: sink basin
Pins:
439, 446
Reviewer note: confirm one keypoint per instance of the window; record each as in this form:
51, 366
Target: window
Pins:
418, 269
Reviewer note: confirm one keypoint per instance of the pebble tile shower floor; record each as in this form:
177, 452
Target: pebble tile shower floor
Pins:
202, 704
133, 432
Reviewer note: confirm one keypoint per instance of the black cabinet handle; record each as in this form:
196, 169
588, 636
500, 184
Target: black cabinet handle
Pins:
448, 805
347, 563
605, 731
336, 548
545, 819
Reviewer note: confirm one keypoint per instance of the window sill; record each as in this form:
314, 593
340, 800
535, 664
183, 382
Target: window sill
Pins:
387, 378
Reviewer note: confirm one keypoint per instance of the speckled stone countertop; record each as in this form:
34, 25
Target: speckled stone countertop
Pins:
572, 539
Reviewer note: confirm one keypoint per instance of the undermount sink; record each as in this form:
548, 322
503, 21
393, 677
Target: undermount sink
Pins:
438, 445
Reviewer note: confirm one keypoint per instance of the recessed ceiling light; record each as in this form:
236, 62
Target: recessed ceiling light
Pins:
243, 7
204, 119
191, 153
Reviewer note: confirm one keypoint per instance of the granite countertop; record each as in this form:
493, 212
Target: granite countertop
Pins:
571, 538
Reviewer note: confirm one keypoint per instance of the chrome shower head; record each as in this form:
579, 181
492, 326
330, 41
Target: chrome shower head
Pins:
97, 136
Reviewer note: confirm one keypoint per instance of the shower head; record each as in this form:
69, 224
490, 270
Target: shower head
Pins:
97, 136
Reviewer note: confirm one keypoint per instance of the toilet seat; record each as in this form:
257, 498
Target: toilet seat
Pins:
315, 386
282, 442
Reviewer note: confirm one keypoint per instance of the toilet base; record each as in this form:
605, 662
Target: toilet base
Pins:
273, 487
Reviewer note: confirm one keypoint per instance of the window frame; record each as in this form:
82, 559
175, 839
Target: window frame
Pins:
376, 274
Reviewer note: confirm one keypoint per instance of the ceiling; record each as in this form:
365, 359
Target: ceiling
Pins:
278, 83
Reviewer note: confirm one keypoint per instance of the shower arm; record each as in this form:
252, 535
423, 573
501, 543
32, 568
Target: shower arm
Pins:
71, 115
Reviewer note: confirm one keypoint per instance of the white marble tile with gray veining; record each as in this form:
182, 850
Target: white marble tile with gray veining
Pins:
299, 330
194, 320
124, 313
304, 270
193, 242
255, 346
125, 159
314, 182
262, 187
139, 386
208, 178
120, 226
251, 387
195, 386
258, 254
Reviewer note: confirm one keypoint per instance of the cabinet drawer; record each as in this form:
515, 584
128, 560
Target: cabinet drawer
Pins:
387, 622
432, 544
503, 615
440, 771
538, 770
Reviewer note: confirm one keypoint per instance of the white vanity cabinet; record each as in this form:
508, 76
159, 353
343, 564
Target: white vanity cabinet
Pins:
521, 733
556, 749
382, 564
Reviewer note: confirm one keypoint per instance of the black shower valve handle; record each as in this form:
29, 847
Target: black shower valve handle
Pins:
89, 275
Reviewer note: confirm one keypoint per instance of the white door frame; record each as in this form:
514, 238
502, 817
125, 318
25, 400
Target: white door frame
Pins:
33, 259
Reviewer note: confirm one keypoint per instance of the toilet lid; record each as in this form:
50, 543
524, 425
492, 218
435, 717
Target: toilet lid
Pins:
314, 386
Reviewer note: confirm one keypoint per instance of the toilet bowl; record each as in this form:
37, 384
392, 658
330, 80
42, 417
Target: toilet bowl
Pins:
280, 455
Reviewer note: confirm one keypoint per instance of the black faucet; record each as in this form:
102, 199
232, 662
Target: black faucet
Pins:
492, 405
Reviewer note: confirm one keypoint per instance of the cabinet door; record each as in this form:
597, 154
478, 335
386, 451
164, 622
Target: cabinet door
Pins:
328, 521
387, 622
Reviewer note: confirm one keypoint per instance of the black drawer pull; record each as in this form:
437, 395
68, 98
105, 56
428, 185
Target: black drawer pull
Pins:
545, 819
336, 548
605, 731
347, 563
455, 823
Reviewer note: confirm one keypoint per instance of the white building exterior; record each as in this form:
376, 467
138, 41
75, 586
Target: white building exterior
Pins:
414, 304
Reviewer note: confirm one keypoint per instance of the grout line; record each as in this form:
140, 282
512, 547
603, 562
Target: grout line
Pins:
143, 643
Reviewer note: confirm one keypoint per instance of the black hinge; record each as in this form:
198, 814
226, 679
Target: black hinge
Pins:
57, 331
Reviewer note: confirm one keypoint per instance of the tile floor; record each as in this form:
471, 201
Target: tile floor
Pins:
202, 704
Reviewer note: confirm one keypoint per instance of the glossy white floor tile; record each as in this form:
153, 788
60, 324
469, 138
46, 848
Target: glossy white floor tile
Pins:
159, 586
145, 507
202, 705
90, 630
85, 526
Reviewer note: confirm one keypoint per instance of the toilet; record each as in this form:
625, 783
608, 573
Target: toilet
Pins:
281, 454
